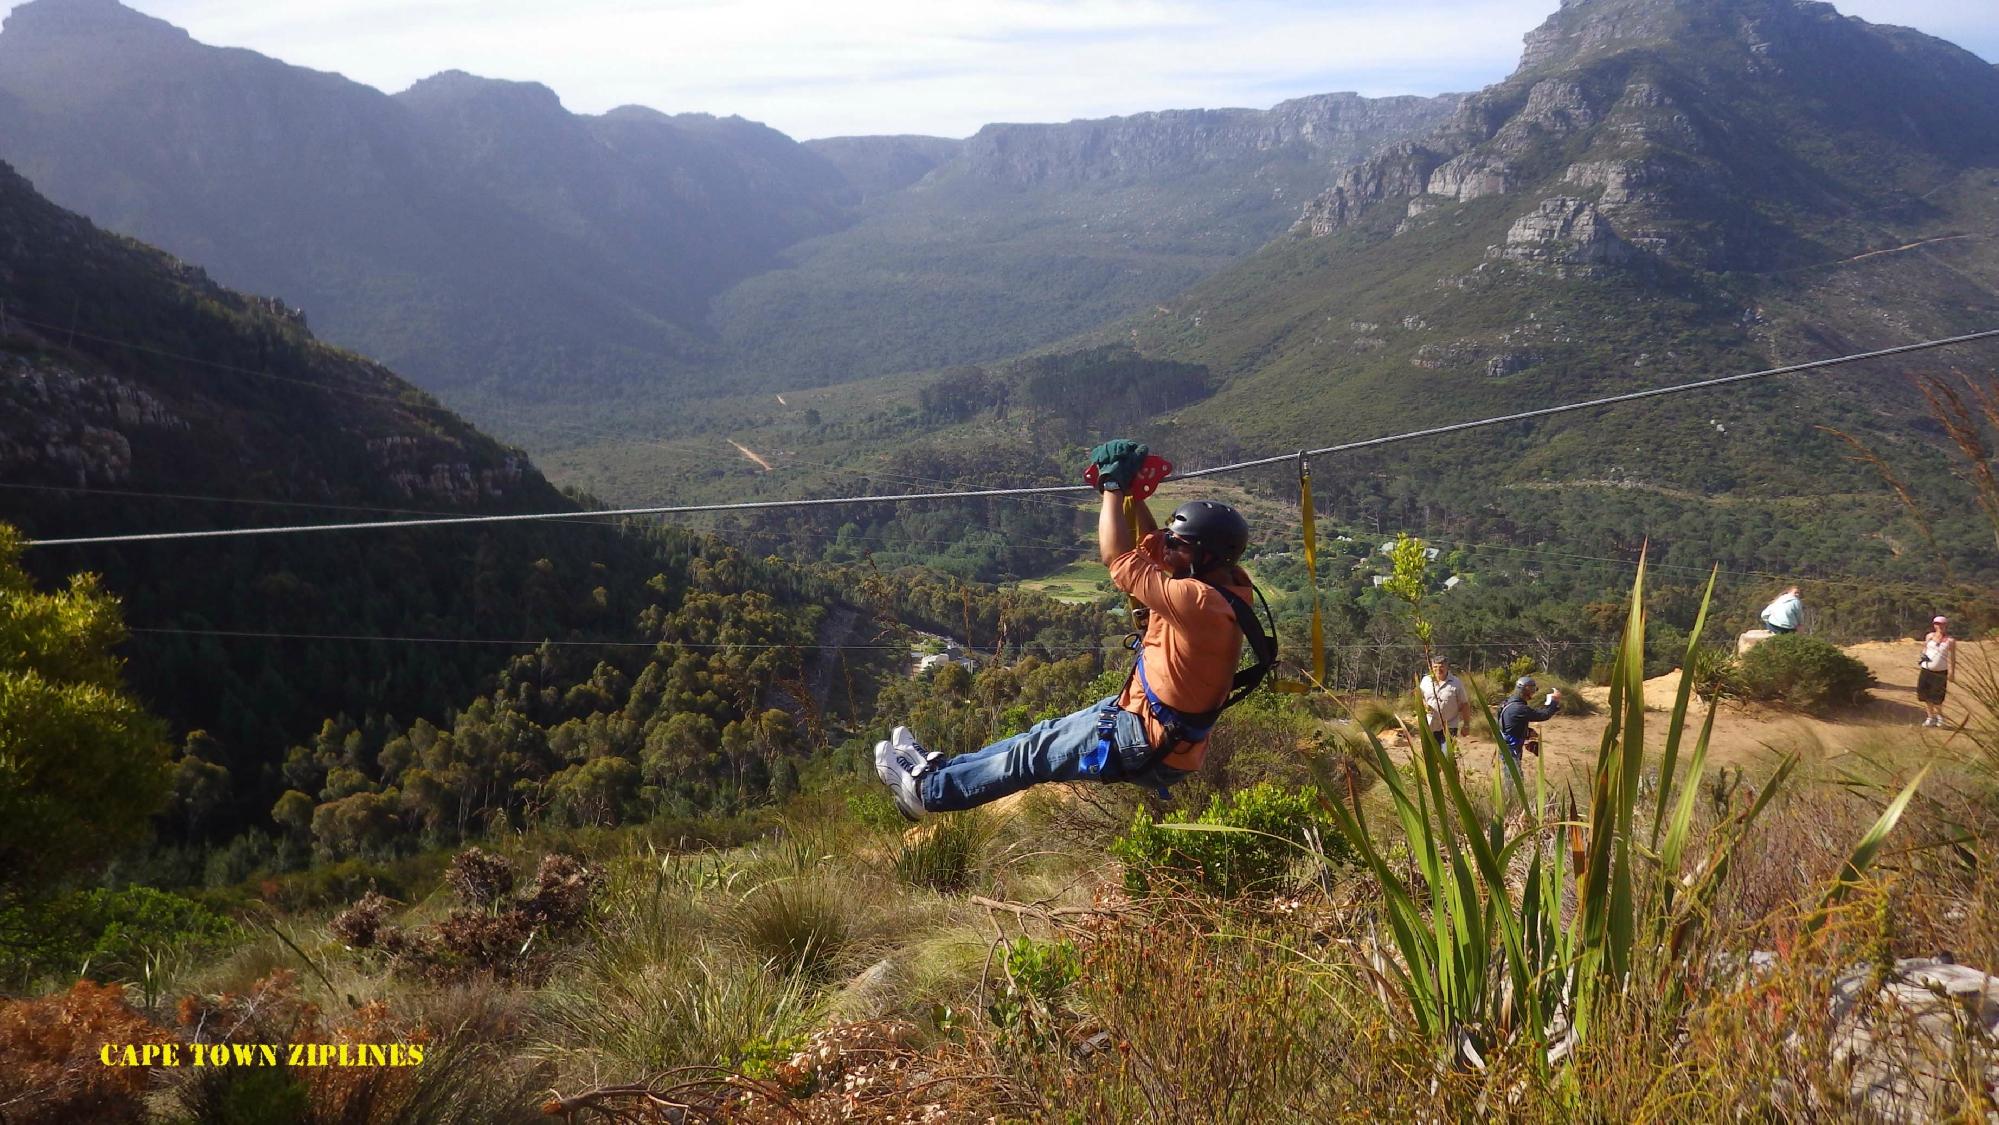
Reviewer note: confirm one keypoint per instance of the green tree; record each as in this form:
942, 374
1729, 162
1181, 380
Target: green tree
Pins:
293, 813
82, 766
363, 824
1410, 583
200, 787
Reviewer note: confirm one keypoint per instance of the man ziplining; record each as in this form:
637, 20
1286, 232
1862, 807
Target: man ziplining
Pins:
1155, 731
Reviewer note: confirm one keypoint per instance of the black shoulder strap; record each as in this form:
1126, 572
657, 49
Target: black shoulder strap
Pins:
1262, 644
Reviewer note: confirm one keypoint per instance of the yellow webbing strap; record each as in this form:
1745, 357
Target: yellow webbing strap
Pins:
1318, 676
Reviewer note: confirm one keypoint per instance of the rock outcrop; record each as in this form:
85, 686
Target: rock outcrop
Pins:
1662, 109
1566, 231
59, 423
1910, 1040
1337, 127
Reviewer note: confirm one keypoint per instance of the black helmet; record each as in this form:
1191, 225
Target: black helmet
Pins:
1525, 683
1219, 530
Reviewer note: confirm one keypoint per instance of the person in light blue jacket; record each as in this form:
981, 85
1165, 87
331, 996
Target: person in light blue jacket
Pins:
1783, 615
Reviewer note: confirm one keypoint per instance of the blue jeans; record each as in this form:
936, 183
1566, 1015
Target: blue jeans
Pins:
1050, 750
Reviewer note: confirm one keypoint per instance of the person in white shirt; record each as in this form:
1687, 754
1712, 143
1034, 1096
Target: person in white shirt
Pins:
1445, 701
1933, 670
1783, 615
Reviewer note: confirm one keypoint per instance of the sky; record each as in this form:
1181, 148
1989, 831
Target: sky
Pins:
819, 68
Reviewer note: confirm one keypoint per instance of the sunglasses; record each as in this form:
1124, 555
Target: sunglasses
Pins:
1177, 543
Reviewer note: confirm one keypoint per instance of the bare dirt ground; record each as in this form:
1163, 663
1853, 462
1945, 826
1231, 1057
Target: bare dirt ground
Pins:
1755, 736
752, 454
1749, 736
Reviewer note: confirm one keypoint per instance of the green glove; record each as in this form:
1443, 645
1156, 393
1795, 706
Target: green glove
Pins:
1117, 463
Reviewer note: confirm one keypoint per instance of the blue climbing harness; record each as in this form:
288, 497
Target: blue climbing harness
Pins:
1181, 727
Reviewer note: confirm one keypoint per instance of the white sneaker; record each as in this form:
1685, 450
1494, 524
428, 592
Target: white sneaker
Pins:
899, 762
903, 740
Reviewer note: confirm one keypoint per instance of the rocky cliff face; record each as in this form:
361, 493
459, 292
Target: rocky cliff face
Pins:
1684, 125
61, 424
1331, 128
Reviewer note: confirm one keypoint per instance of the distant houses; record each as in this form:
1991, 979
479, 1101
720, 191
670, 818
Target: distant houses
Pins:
927, 662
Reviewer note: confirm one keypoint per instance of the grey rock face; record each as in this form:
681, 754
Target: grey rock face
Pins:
1564, 230
63, 423
1906, 1045
1469, 176
1403, 170
1336, 127
1510, 363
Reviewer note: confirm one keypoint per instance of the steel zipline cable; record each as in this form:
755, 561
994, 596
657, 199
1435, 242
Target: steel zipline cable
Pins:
975, 494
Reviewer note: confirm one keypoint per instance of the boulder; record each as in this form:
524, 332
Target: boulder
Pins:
1907, 1046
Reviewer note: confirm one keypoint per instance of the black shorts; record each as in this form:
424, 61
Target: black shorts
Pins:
1930, 685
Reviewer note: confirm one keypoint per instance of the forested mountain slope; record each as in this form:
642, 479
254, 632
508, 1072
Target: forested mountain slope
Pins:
1030, 233
138, 396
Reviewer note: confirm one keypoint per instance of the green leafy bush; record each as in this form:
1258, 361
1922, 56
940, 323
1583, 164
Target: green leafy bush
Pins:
1038, 973
874, 808
1807, 673
1248, 840
114, 933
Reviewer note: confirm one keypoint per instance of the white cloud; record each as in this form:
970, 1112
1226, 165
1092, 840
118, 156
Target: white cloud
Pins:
823, 68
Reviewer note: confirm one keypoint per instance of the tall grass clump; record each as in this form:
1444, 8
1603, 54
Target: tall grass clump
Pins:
701, 1007
948, 855
656, 988
810, 927
1498, 939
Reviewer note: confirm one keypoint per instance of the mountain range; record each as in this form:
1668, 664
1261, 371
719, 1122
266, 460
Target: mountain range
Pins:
491, 245
1663, 190
185, 406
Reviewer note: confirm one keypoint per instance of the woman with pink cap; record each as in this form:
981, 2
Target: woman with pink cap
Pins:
1933, 671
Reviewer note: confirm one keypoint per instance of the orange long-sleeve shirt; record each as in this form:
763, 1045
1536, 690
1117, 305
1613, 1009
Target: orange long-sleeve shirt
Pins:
1191, 646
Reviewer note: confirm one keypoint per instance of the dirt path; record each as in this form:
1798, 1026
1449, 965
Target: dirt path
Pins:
1754, 736
1907, 246
752, 455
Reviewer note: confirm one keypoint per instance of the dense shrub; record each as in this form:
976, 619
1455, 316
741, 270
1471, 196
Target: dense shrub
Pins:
1716, 672
1807, 673
112, 933
507, 936
53, 1072
1272, 824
